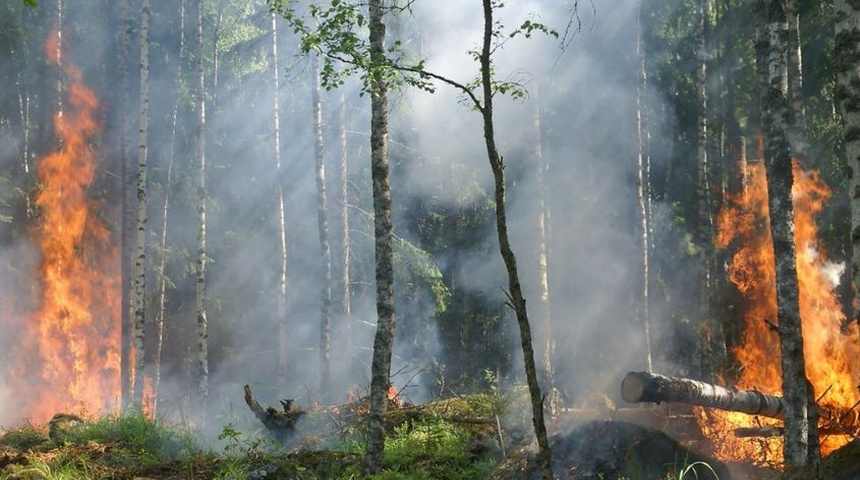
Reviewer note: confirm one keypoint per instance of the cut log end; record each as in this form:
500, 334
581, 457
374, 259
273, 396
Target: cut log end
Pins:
632, 388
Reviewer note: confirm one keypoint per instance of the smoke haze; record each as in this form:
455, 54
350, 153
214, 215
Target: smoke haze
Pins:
585, 96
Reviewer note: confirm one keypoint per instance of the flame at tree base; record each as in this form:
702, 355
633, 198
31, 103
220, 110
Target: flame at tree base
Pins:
832, 354
67, 356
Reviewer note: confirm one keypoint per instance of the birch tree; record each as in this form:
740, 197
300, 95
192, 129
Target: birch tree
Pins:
338, 42
202, 363
281, 309
543, 230
124, 29
345, 281
322, 228
515, 291
643, 179
383, 342
848, 92
140, 237
161, 288
799, 446
703, 181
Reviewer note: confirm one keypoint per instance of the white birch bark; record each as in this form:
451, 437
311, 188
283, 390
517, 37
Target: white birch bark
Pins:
202, 364
848, 92
139, 286
383, 233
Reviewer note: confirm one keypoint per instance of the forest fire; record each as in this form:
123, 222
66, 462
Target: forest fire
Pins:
832, 356
69, 349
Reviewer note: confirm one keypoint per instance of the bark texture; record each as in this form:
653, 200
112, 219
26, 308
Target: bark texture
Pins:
651, 387
139, 289
776, 121
124, 30
345, 283
281, 308
383, 234
848, 93
515, 290
325, 246
202, 370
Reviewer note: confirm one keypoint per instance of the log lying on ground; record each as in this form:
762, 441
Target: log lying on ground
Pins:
651, 387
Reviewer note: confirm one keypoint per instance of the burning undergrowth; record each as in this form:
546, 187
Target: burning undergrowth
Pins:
66, 351
831, 351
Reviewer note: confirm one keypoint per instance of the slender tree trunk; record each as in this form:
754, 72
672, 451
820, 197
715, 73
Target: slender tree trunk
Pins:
346, 284
848, 92
161, 293
733, 149
24, 101
775, 116
140, 239
216, 54
543, 215
703, 183
127, 169
202, 370
516, 294
643, 161
281, 309
795, 80
325, 248
380, 369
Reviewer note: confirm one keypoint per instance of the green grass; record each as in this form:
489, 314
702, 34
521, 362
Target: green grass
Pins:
422, 444
431, 448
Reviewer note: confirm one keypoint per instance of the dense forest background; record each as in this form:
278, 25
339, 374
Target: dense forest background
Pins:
614, 103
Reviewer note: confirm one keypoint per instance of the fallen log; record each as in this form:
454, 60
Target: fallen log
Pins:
651, 387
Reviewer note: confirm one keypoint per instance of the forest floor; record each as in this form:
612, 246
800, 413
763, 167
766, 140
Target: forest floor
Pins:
466, 437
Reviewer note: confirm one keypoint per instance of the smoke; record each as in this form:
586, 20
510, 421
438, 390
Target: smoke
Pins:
585, 98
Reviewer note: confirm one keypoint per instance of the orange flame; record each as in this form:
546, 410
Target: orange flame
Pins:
69, 356
832, 357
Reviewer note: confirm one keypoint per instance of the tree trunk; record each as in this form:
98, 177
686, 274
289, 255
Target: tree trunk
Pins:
325, 248
795, 80
202, 370
848, 93
516, 294
651, 387
346, 285
281, 309
383, 233
543, 215
24, 101
140, 239
161, 294
643, 161
703, 182
124, 30
775, 115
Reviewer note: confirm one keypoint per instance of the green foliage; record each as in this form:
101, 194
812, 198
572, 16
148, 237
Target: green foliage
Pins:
40, 469
136, 438
416, 265
23, 438
430, 448
336, 33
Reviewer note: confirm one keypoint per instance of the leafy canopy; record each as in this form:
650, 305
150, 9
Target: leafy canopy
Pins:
336, 32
